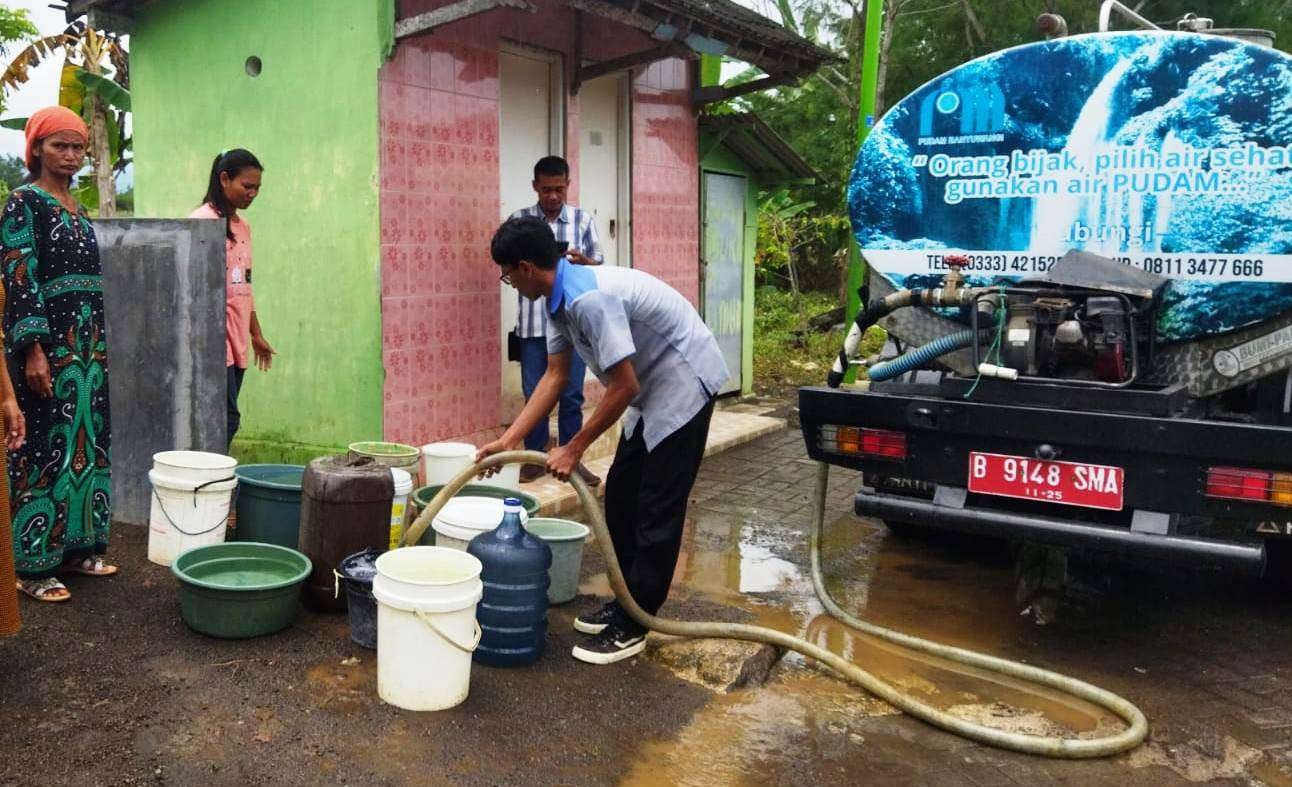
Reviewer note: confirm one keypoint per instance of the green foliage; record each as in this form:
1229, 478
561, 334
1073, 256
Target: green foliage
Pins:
115, 95
794, 232
12, 170
787, 354
15, 25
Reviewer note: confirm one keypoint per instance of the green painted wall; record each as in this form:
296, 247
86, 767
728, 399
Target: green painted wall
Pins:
311, 117
719, 159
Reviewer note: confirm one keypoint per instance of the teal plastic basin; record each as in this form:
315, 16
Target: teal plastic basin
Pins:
240, 589
269, 504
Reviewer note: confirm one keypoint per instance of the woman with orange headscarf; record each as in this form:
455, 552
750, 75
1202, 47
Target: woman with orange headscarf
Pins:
56, 349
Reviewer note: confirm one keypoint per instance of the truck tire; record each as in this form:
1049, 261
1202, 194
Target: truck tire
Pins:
1278, 564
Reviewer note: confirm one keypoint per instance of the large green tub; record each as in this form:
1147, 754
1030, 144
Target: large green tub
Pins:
269, 504
240, 589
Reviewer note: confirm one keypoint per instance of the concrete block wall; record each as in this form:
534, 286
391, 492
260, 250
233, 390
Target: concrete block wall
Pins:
163, 285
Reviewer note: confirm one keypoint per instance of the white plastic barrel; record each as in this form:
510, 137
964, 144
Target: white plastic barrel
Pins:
399, 506
426, 626
463, 518
192, 492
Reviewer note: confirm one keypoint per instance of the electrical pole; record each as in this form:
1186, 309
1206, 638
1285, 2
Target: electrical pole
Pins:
865, 121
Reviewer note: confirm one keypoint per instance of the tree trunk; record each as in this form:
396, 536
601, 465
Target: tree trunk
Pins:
100, 145
973, 22
101, 154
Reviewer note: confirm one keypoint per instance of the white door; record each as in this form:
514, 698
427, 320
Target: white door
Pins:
530, 127
604, 163
724, 267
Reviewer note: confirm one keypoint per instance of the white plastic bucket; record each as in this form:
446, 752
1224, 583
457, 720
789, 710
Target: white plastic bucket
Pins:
399, 506
463, 518
442, 461
507, 477
197, 466
192, 493
426, 626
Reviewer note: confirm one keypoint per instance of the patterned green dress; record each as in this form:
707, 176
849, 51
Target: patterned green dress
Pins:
60, 479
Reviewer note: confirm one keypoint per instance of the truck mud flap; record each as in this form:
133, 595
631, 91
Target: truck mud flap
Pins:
1230, 556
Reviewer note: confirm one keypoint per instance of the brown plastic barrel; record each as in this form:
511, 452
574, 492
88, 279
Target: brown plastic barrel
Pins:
345, 508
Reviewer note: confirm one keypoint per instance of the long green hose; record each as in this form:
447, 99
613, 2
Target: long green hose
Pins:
1047, 746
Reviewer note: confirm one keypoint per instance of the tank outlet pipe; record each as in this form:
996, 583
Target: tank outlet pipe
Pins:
1047, 746
921, 356
882, 307
1000, 372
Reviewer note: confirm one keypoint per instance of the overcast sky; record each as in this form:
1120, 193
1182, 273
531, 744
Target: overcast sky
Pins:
42, 88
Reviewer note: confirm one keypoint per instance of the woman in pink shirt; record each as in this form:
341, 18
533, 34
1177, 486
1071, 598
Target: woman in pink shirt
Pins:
234, 184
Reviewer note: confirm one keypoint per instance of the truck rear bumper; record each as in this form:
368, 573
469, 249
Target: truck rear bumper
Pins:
1230, 556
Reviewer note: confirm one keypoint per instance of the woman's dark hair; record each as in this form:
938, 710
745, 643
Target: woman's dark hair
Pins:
231, 162
525, 238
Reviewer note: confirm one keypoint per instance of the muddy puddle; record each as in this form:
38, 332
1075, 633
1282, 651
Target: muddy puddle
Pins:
961, 595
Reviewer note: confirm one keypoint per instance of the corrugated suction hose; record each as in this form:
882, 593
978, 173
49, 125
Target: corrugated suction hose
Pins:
1046, 746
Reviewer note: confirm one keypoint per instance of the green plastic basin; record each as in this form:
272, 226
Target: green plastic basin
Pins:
269, 504
389, 454
240, 589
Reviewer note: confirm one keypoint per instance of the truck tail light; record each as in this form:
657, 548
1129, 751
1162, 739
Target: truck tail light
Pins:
878, 443
1245, 483
1281, 492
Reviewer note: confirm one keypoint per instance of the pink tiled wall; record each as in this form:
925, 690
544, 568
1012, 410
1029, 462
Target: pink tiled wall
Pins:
440, 205
666, 190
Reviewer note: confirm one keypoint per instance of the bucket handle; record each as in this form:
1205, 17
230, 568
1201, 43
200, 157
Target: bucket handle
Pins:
430, 622
162, 507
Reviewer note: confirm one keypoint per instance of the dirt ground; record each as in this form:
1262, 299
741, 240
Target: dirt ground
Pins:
112, 688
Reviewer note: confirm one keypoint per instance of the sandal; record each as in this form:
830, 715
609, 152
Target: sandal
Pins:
49, 589
91, 567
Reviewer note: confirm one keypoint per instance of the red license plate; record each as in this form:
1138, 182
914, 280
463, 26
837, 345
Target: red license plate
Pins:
1070, 483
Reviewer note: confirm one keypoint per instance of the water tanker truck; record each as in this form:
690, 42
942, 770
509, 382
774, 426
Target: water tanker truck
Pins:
1081, 252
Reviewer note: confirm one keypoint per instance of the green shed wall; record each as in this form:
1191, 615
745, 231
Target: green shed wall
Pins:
311, 117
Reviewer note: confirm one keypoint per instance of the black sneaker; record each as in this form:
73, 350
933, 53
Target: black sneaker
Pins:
616, 643
596, 622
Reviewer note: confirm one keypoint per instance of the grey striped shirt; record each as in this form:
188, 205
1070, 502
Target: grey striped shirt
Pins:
575, 227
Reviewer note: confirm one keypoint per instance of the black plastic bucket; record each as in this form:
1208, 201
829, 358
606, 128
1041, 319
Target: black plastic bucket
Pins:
356, 573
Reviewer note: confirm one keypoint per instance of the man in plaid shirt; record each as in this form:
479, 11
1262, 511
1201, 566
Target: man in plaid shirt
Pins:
575, 228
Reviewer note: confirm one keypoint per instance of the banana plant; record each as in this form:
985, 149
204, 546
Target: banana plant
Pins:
95, 83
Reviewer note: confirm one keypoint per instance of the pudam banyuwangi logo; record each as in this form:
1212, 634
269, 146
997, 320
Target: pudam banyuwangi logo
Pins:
954, 114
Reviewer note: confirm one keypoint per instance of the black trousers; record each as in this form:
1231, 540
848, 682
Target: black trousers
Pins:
646, 497
234, 385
